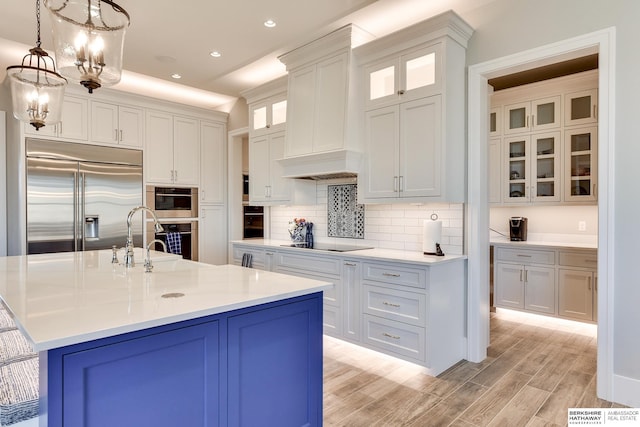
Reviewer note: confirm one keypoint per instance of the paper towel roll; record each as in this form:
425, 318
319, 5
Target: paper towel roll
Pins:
431, 234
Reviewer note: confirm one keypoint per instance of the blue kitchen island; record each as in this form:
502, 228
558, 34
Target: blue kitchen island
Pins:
190, 344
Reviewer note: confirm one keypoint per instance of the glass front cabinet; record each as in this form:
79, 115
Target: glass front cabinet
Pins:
533, 168
532, 116
414, 74
269, 115
581, 160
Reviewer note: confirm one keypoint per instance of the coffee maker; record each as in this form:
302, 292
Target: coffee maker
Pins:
518, 227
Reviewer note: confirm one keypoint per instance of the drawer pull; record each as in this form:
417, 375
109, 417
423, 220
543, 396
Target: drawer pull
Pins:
390, 304
391, 274
395, 337
349, 264
524, 256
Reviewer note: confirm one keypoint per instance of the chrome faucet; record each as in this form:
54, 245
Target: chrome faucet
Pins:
128, 256
148, 265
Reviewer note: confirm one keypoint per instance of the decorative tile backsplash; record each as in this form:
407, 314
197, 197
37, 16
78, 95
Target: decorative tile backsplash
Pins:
389, 226
345, 217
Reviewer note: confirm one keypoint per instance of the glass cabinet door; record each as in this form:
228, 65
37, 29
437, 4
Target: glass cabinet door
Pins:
420, 71
517, 169
538, 115
495, 122
516, 117
545, 167
412, 75
545, 113
581, 107
259, 117
268, 116
278, 114
580, 164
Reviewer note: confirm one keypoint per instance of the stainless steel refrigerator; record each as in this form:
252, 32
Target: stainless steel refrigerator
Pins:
78, 196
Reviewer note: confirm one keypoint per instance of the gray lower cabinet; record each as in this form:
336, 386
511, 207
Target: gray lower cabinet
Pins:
413, 311
552, 281
578, 285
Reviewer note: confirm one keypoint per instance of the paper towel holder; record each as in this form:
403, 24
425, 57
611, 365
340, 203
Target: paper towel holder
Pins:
438, 252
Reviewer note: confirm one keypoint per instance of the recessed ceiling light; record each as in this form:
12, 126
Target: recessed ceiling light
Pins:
215, 54
176, 76
270, 23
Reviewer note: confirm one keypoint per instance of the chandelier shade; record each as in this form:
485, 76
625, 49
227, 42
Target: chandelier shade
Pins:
37, 90
88, 38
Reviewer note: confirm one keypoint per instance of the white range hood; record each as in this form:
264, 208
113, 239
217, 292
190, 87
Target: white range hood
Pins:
327, 165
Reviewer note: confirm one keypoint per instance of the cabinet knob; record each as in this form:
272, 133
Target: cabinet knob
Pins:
401, 92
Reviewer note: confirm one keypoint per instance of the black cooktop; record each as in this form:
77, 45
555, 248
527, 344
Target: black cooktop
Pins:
329, 247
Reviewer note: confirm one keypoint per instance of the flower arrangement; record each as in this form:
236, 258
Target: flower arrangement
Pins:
296, 229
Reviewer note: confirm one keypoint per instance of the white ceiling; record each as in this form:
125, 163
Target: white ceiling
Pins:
168, 36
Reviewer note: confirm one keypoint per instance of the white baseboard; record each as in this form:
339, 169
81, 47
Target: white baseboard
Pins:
626, 391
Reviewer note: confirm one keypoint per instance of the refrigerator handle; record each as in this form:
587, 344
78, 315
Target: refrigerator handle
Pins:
81, 222
75, 211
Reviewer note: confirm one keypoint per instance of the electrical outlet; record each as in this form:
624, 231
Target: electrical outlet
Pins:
582, 225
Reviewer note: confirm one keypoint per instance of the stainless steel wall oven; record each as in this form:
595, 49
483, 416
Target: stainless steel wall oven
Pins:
253, 222
173, 202
188, 235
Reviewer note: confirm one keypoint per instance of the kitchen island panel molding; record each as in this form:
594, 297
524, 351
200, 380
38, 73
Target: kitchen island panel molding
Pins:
211, 368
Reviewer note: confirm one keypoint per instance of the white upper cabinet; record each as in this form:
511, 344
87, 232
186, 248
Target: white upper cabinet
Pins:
412, 75
404, 157
549, 138
581, 108
74, 124
532, 167
172, 150
533, 116
213, 161
113, 124
268, 115
581, 164
414, 117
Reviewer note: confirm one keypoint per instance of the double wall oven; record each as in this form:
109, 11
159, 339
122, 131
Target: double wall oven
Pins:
177, 211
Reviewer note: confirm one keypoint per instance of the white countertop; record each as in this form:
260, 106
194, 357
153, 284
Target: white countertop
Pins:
553, 244
67, 298
391, 255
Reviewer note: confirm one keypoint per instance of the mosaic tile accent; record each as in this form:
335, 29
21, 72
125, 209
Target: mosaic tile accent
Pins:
345, 217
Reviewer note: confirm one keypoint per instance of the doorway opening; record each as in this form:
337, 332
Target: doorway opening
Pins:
478, 219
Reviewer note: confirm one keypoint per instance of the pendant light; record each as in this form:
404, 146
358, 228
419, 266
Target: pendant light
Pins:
37, 91
89, 38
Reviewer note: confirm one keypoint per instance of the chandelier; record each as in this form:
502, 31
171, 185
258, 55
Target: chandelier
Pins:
37, 90
89, 38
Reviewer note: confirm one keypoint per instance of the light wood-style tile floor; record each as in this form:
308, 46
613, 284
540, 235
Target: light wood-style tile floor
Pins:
535, 370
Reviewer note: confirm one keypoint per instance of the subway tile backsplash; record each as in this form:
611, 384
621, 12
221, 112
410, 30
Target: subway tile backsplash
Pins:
390, 226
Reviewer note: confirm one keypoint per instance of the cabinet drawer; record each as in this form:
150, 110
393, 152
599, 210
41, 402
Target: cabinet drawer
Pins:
331, 296
526, 256
394, 304
579, 259
392, 274
311, 263
395, 337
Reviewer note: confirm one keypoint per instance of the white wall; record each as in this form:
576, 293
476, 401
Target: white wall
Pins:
550, 223
390, 226
506, 27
